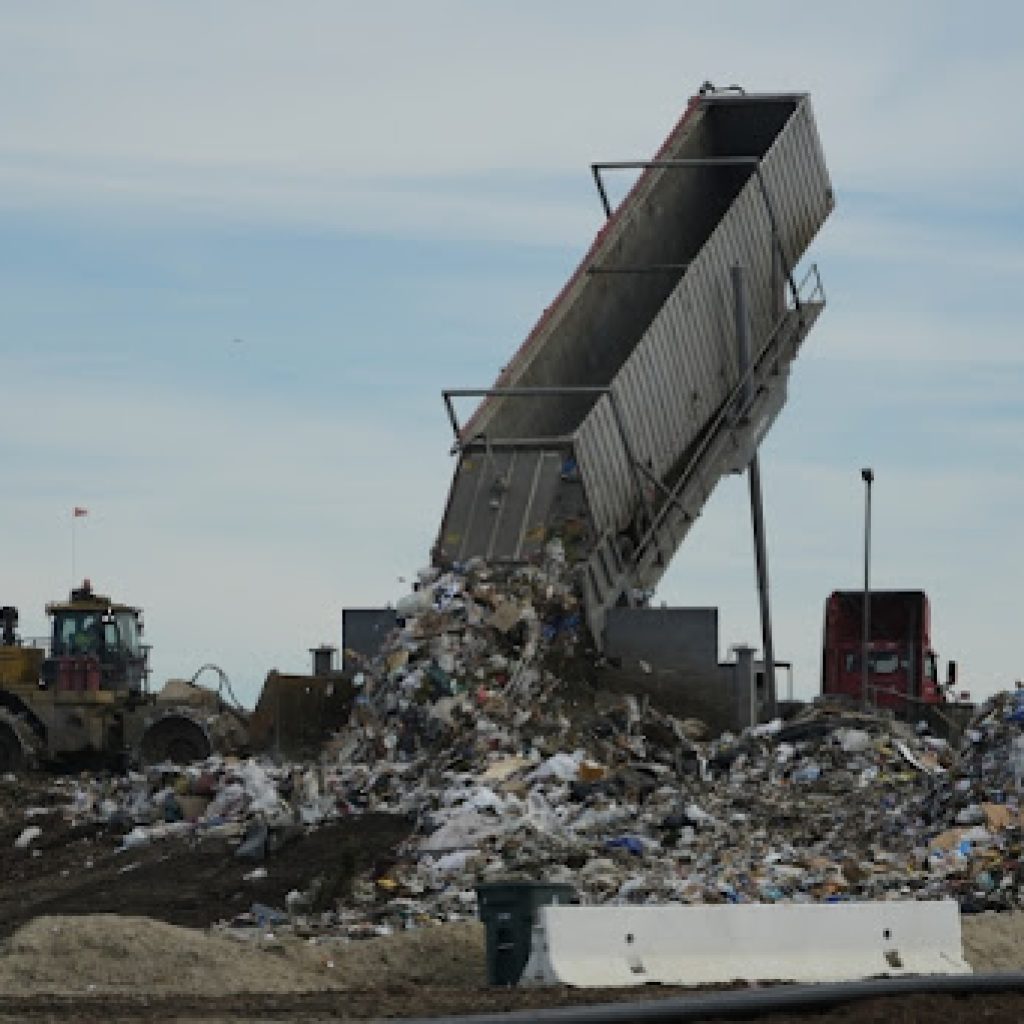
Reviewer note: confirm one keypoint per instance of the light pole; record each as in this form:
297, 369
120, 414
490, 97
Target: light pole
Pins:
868, 477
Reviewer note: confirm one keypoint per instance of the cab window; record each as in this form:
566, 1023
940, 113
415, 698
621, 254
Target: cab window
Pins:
882, 663
77, 633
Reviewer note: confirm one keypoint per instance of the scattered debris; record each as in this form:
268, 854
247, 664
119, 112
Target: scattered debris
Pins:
511, 768
510, 771
27, 836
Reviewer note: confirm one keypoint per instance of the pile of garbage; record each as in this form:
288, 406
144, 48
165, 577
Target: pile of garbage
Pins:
480, 720
512, 771
982, 807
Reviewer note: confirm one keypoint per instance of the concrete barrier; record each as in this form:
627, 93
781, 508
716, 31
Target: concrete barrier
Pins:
604, 947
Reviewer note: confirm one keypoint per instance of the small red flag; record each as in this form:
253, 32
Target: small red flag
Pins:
80, 511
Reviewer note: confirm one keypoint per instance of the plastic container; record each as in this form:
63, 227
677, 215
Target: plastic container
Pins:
508, 911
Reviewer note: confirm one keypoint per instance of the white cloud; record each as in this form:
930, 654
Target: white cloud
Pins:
887, 335
916, 287
327, 112
391, 204
966, 249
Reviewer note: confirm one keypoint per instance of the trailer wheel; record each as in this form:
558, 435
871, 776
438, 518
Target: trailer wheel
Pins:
12, 757
178, 740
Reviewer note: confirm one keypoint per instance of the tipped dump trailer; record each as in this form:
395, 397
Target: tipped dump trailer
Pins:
662, 363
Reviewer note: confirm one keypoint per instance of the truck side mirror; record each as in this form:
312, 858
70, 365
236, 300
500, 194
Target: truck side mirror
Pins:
951, 673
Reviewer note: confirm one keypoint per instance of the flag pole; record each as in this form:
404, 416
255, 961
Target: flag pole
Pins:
76, 512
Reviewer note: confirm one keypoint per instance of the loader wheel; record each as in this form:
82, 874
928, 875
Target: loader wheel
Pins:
12, 757
176, 740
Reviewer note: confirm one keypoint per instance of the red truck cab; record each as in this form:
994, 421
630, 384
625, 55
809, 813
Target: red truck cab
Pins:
902, 667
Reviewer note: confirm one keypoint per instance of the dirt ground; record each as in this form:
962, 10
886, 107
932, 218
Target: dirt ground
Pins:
59, 961
119, 955
421, 1003
98, 968
82, 870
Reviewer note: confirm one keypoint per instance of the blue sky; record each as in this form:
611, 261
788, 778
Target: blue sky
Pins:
378, 201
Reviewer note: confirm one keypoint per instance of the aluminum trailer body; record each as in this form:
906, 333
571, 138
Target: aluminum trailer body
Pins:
614, 421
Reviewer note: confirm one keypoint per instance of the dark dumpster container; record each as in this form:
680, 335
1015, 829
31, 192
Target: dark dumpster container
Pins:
508, 911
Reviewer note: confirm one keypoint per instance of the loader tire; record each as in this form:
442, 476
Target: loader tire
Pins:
12, 757
177, 740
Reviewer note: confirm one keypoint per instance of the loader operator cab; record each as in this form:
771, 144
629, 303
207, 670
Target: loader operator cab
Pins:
99, 633
95, 644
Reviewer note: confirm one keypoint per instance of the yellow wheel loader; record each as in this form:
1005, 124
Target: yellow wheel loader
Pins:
83, 694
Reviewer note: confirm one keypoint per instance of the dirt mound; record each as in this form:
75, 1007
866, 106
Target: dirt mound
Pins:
84, 870
446, 955
994, 942
109, 953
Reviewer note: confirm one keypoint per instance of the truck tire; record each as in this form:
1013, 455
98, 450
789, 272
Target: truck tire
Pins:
175, 739
12, 756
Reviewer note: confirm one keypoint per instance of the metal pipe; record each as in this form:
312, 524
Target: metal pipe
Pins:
693, 161
747, 1003
596, 172
868, 477
771, 697
653, 268
452, 417
554, 441
449, 393
742, 317
523, 392
638, 165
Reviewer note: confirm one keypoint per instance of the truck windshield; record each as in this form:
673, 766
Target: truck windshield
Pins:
880, 663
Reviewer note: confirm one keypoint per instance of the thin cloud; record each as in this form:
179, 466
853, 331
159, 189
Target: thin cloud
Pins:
347, 116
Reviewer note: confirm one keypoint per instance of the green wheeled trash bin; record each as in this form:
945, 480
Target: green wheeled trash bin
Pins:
508, 911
